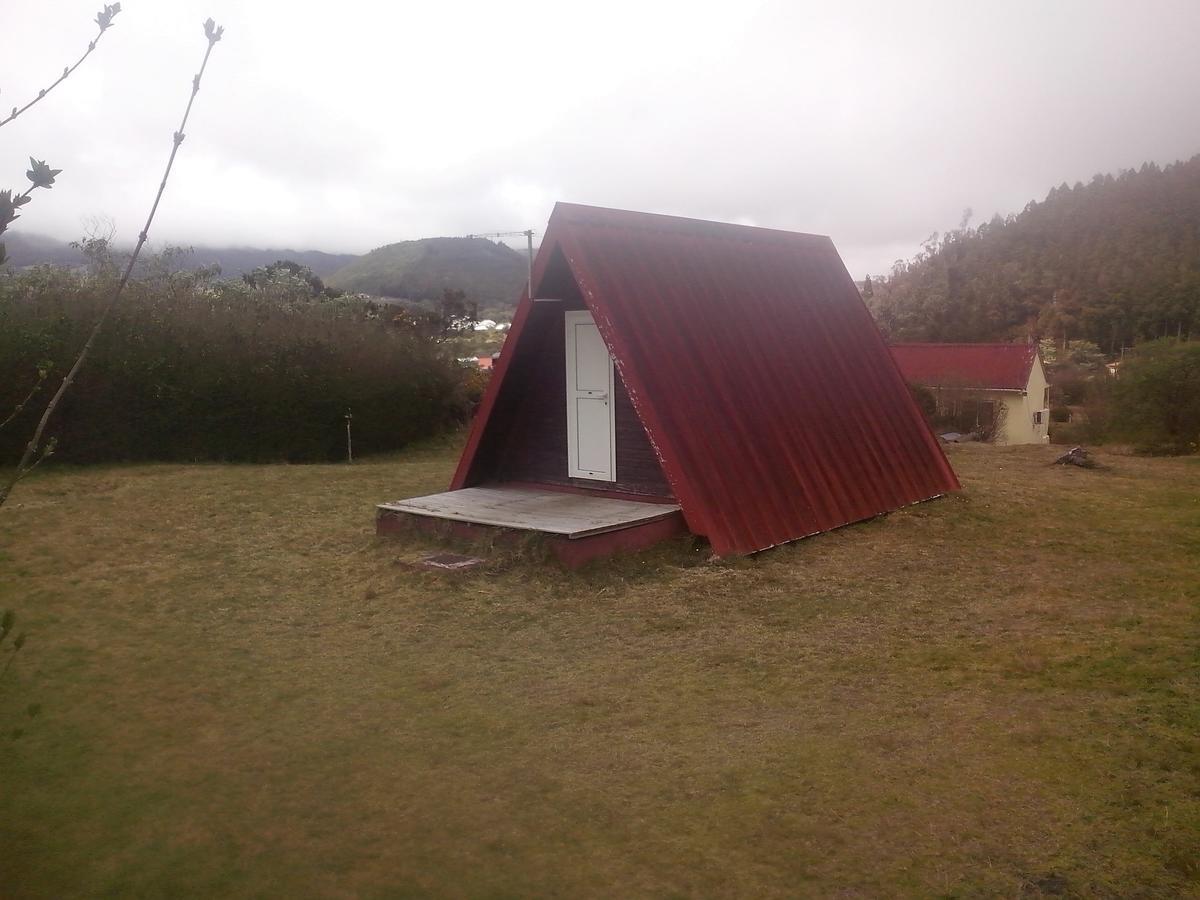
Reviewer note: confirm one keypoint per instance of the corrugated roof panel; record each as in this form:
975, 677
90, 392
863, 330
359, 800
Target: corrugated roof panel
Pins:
999, 367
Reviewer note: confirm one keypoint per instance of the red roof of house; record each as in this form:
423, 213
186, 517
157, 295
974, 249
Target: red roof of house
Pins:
998, 367
763, 384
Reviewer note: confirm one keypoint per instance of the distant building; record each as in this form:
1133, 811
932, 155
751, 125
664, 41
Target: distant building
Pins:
1000, 384
486, 361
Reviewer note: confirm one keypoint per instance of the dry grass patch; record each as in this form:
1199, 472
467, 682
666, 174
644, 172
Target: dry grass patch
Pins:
246, 694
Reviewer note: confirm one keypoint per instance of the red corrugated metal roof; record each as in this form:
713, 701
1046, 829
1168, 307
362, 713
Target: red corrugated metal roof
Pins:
998, 367
771, 399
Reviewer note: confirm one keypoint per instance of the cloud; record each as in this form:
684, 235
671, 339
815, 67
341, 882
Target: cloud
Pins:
342, 127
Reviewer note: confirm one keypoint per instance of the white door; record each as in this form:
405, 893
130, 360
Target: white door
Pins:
591, 420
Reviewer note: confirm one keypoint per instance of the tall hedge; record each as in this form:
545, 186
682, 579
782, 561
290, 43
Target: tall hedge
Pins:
192, 368
1156, 400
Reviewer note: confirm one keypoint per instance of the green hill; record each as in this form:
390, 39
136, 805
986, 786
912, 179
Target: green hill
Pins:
491, 274
26, 249
1114, 261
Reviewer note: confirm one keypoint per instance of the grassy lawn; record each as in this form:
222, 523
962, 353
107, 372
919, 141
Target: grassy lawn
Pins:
246, 693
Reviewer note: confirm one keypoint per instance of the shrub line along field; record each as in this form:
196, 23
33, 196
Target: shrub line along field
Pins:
246, 693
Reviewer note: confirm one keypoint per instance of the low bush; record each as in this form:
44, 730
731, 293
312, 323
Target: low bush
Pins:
194, 368
1156, 402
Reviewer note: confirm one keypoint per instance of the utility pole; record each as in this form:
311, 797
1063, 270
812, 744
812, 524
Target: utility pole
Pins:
528, 235
529, 245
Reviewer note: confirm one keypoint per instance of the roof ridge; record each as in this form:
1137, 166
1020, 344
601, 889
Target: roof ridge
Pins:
579, 213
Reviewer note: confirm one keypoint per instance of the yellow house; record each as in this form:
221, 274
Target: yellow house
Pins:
1001, 387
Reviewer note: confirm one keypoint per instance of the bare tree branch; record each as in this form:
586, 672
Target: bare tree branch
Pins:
43, 374
104, 22
213, 34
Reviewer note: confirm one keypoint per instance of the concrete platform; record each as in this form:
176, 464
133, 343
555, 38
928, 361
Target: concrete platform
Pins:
568, 515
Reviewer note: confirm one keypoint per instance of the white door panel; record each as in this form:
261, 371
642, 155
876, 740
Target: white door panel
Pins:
591, 420
592, 447
591, 358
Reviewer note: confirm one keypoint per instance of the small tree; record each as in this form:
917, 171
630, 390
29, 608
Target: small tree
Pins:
991, 416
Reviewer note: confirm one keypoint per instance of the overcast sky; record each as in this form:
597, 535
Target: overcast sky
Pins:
342, 126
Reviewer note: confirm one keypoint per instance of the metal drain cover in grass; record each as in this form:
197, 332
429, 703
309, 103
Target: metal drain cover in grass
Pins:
450, 561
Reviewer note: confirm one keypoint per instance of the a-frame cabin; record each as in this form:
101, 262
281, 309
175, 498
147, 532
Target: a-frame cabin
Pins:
673, 374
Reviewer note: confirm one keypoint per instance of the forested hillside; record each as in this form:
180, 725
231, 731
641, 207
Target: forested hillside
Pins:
26, 250
490, 274
1114, 261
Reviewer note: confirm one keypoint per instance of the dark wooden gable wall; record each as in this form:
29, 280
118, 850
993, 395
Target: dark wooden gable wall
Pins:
527, 433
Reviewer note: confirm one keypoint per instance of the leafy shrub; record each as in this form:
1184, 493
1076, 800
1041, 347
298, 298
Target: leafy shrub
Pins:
475, 384
1156, 401
926, 400
1071, 387
1060, 414
194, 368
